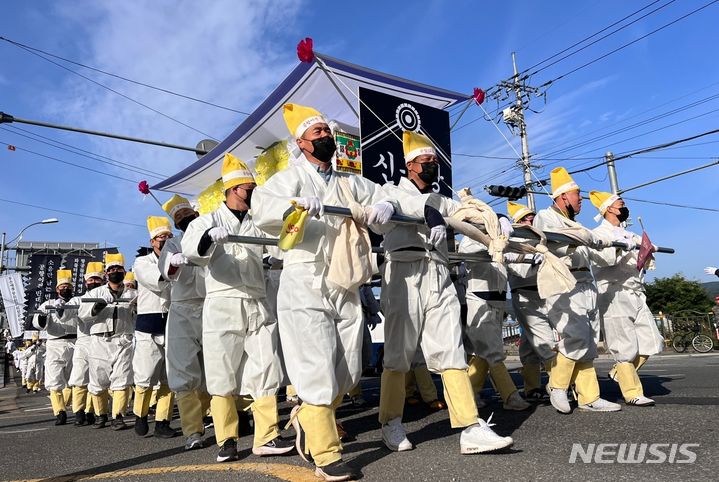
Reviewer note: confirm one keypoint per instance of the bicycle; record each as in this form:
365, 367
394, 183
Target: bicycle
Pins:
699, 341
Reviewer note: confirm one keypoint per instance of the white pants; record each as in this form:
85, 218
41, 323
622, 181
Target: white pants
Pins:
531, 313
484, 329
58, 363
576, 319
629, 326
33, 371
110, 363
421, 309
242, 352
80, 374
321, 333
148, 361
184, 346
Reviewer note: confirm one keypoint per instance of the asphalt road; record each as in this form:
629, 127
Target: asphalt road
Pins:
686, 388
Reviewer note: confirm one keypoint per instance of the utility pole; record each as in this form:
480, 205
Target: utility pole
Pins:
613, 183
523, 135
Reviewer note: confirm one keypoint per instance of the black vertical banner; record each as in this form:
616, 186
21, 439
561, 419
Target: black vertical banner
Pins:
382, 152
77, 264
40, 285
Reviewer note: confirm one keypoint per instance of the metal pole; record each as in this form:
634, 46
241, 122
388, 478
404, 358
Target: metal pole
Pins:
523, 135
613, 183
7, 118
2, 253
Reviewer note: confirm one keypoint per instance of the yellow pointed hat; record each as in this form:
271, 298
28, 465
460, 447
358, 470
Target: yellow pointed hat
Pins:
235, 172
562, 182
64, 276
299, 118
517, 211
602, 200
416, 144
114, 260
94, 269
157, 225
129, 276
175, 204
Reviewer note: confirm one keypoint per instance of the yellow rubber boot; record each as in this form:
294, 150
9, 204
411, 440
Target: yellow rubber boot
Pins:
391, 396
30, 384
477, 371
153, 398
141, 407
57, 401
425, 384
629, 382
290, 391
89, 404
191, 413
532, 375
165, 404
79, 399
320, 427
548, 365
502, 380
561, 373
639, 361
119, 402
205, 401
101, 403
67, 395
267, 420
460, 398
224, 416
586, 383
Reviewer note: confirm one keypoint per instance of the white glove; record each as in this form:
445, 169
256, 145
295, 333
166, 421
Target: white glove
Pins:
506, 226
537, 258
59, 303
312, 205
631, 244
437, 235
219, 234
179, 259
380, 213
599, 242
513, 257
710, 270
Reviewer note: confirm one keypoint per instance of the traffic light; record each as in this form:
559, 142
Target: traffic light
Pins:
512, 193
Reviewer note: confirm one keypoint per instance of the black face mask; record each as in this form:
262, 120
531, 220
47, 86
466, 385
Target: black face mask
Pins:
623, 214
324, 148
571, 213
184, 222
65, 294
92, 286
116, 277
248, 199
162, 244
429, 173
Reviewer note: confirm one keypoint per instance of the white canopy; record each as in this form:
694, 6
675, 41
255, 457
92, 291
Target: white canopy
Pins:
307, 85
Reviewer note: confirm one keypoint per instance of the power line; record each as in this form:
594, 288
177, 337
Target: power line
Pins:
143, 84
15, 147
622, 47
119, 93
114, 221
129, 167
671, 204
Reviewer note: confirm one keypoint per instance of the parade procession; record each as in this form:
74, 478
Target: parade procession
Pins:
326, 294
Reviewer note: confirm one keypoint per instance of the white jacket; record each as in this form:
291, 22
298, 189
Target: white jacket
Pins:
232, 269
482, 276
188, 282
576, 258
271, 200
71, 316
153, 291
613, 267
55, 326
118, 319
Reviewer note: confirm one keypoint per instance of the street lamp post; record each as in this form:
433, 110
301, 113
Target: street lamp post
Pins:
19, 238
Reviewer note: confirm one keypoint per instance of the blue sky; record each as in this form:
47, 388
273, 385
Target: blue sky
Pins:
234, 53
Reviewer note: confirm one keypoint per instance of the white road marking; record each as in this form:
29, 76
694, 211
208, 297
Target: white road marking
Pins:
37, 409
22, 431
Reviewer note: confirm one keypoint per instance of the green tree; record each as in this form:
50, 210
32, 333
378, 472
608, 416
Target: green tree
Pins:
677, 293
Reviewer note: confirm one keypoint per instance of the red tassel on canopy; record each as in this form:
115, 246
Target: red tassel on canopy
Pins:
478, 95
304, 50
143, 187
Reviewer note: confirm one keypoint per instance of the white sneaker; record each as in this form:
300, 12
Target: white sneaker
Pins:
394, 436
559, 400
601, 405
641, 401
480, 438
516, 402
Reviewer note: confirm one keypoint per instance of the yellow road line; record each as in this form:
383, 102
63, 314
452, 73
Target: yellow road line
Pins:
293, 473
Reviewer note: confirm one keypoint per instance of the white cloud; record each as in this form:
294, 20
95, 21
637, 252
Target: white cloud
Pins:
227, 52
